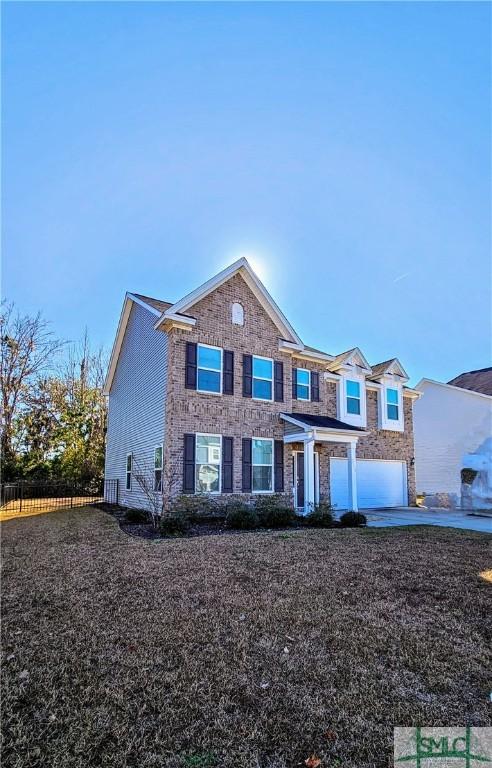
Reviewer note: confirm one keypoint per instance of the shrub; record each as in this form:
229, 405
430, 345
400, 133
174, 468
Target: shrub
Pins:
352, 519
320, 517
137, 516
196, 507
273, 511
173, 525
241, 516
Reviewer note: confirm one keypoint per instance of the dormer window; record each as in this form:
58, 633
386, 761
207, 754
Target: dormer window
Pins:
392, 404
353, 397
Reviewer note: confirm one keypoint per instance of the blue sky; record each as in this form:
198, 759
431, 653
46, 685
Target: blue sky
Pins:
346, 146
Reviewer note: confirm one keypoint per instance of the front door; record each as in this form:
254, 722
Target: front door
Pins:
298, 461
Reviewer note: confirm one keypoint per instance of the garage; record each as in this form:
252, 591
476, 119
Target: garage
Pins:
379, 483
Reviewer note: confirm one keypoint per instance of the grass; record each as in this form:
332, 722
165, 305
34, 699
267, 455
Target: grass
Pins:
248, 651
39, 506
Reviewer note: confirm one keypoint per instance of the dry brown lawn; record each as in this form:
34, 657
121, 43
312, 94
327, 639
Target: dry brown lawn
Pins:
41, 506
236, 651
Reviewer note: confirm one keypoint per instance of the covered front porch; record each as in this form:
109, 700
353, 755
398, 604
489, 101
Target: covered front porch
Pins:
304, 432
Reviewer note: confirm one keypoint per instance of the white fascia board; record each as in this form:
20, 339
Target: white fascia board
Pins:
174, 320
395, 363
418, 387
144, 304
240, 266
298, 350
342, 364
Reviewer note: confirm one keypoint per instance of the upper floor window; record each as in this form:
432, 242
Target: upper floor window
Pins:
209, 365
158, 458
392, 404
303, 384
262, 463
262, 378
129, 466
207, 463
353, 397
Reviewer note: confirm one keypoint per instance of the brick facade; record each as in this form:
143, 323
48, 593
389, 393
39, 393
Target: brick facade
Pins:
234, 415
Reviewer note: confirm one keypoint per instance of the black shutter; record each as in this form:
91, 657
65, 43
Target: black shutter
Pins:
227, 443
279, 466
247, 375
247, 455
228, 382
294, 383
190, 371
315, 386
278, 378
189, 464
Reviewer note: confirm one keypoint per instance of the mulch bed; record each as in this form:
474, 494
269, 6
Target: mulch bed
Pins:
254, 651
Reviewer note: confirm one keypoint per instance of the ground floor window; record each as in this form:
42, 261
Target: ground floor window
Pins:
129, 462
207, 463
158, 458
262, 461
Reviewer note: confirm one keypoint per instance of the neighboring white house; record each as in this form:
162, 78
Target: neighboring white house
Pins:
453, 431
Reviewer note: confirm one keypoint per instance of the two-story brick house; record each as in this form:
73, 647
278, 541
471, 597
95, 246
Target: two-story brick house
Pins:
218, 394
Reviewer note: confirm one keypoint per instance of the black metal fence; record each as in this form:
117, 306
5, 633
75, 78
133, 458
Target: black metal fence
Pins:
31, 497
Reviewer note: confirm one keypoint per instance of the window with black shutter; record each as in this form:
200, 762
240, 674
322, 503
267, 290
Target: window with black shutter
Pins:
246, 462
228, 383
227, 464
247, 375
278, 376
315, 386
189, 464
279, 466
190, 365
294, 383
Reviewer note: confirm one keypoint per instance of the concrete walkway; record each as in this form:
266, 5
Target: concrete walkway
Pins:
448, 518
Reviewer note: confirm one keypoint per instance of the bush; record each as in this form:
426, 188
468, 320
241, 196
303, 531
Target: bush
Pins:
273, 511
241, 517
173, 525
320, 517
137, 516
197, 507
352, 519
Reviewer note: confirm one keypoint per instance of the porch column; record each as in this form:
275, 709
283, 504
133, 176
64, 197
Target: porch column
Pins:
352, 477
309, 499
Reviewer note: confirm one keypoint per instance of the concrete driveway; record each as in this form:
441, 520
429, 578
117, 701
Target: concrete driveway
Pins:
448, 518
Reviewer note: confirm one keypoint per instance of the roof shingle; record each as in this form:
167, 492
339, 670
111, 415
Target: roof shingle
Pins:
476, 381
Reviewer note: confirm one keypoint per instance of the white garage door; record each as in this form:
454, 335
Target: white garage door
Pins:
379, 483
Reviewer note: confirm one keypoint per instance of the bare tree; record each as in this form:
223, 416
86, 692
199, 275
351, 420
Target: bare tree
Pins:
145, 476
28, 347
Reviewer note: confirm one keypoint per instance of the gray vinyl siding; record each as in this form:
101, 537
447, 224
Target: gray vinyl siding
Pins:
136, 412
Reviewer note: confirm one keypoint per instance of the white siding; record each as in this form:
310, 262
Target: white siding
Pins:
136, 414
448, 423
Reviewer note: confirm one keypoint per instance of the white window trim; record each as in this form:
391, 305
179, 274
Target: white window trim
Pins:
261, 378
272, 465
199, 463
128, 473
214, 370
356, 419
161, 468
308, 398
392, 425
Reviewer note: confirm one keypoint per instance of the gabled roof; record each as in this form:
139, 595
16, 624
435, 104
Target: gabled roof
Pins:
151, 305
389, 366
242, 268
476, 381
351, 356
